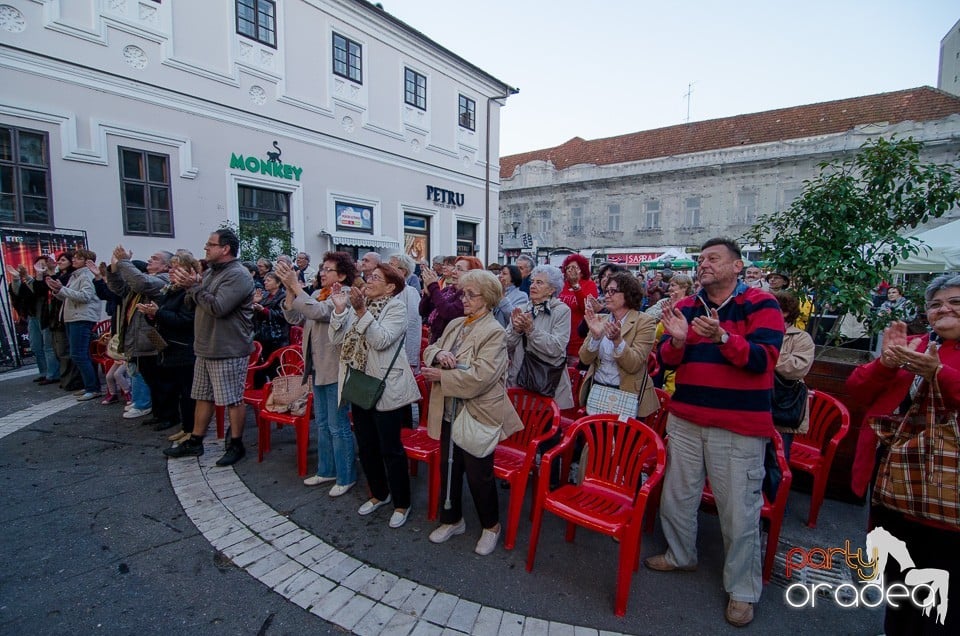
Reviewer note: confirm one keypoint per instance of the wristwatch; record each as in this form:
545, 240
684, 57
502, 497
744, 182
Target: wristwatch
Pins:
724, 338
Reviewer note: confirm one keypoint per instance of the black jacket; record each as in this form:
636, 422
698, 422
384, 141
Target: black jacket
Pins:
174, 321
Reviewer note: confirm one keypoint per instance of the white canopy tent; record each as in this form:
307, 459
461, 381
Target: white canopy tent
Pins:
940, 254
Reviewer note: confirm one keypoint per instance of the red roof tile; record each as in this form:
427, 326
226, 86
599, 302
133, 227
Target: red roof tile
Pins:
916, 104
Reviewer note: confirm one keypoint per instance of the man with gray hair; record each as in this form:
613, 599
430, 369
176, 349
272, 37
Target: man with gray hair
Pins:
406, 264
526, 264
305, 274
368, 263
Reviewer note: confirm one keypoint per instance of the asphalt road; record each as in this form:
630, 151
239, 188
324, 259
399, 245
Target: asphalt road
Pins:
94, 540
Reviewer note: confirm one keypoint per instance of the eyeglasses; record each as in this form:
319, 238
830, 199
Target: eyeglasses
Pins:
952, 303
470, 295
371, 278
610, 291
208, 244
329, 270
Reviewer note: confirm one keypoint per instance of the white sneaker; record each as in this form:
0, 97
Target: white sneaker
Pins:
135, 413
338, 490
488, 541
128, 406
372, 505
398, 518
443, 532
316, 480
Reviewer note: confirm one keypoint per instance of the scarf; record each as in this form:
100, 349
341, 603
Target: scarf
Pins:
539, 308
354, 351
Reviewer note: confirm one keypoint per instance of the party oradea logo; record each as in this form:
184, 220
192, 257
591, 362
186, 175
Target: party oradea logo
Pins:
925, 588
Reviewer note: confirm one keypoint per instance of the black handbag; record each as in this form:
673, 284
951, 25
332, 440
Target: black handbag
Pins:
537, 375
789, 402
365, 390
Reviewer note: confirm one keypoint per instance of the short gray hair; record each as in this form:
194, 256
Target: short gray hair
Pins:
941, 282
528, 259
553, 274
405, 262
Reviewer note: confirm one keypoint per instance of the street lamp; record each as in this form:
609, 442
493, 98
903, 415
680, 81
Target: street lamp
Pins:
516, 228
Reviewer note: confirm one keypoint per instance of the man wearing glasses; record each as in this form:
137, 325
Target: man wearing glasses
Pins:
224, 339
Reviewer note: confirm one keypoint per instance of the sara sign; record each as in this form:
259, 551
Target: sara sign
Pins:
445, 198
272, 166
632, 259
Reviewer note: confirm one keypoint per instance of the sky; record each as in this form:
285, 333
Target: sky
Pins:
601, 68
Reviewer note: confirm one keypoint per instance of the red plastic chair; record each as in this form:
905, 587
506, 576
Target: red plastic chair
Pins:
513, 459
813, 451
772, 511
420, 447
658, 422
569, 416
296, 335
219, 411
613, 494
300, 423
98, 353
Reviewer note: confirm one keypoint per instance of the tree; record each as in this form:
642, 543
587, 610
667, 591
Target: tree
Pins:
262, 239
844, 233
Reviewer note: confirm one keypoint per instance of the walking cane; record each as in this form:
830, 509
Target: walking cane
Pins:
447, 505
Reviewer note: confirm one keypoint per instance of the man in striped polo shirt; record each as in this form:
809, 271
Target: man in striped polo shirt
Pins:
723, 343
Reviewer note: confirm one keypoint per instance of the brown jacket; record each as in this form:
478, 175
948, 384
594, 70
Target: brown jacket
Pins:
638, 331
481, 385
794, 363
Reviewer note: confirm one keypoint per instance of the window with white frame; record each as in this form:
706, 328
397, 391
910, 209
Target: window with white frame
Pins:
467, 113
651, 209
613, 217
576, 220
347, 58
24, 177
789, 196
414, 89
260, 205
747, 205
257, 20
692, 217
145, 193
546, 222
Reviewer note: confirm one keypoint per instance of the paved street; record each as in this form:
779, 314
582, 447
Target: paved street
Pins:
101, 535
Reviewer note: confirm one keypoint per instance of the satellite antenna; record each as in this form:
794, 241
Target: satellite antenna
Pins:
687, 96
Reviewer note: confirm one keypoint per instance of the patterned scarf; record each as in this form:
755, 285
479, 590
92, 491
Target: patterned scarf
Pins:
354, 351
539, 308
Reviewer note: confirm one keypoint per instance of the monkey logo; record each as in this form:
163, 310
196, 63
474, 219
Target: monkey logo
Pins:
274, 157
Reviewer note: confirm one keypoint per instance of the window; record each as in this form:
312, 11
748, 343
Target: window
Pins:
747, 206
468, 113
415, 89
259, 205
613, 218
347, 58
466, 238
576, 220
353, 217
692, 218
145, 183
652, 213
789, 196
257, 20
546, 223
24, 177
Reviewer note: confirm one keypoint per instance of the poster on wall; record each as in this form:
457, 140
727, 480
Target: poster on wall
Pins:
415, 246
21, 247
353, 217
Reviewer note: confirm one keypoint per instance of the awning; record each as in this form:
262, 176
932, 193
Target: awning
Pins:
360, 240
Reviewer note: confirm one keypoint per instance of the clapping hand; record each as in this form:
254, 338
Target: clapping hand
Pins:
54, 285
286, 274
895, 335
522, 322
340, 298
595, 322
184, 278
427, 274
675, 324
121, 254
150, 309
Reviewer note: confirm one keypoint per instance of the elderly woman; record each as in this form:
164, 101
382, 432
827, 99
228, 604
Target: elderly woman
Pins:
441, 305
81, 310
411, 297
680, 285
619, 344
577, 288
264, 267
794, 363
370, 326
542, 327
888, 385
468, 366
269, 327
336, 456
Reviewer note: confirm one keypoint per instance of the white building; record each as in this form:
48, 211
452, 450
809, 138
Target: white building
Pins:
151, 123
678, 186
949, 72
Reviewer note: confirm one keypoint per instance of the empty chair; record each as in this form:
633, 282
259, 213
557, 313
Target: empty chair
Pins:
813, 451
625, 462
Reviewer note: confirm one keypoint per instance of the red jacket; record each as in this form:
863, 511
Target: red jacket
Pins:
576, 300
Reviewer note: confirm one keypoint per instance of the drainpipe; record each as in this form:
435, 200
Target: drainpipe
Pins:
486, 180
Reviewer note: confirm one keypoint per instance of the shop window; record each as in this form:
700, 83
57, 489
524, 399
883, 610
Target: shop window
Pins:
466, 238
347, 59
24, 177
467, 113
353, 217
259, 206
145, 193
257, 20
416, 237
414, 89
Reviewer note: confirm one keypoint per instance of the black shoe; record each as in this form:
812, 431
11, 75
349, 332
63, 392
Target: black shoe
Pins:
192, 447
235, 452
162, 425
40, 378
152, 420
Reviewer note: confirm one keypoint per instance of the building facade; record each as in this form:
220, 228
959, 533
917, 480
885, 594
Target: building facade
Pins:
152, 123
675, 187
948, 78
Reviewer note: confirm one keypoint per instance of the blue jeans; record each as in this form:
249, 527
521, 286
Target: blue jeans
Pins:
35, 330
50, 353
78, 335
336, 456
139, 391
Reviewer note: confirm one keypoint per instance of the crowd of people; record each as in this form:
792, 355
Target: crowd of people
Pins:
718, 338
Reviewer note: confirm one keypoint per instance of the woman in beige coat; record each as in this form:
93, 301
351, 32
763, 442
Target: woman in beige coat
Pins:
794, 363
620, 343
468, 366
370, 332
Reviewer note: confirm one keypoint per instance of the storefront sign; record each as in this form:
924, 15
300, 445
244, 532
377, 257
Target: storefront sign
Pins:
445, 198
272, 167
353, 217
632, 259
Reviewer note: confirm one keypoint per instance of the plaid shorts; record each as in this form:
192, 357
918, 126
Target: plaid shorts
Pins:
219, 380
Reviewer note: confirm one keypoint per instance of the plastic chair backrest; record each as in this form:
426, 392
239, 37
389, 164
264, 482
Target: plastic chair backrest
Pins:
296, 335
829, 420
539, 414
620, 451
289, 360
786, 477
658, 419
424, 402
